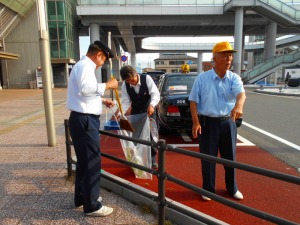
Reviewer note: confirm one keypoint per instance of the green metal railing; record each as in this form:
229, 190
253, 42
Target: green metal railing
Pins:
269, 65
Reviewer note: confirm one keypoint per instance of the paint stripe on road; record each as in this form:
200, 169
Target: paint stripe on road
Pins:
297, 147
185, 136
244, 142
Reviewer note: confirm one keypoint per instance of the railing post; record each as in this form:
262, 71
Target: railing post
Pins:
161, 181
68, 147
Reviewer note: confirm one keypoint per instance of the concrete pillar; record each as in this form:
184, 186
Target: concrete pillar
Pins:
199, 62
250, 55
270, 40
94, 36
133, 59
94, 32
238, 37
243, 54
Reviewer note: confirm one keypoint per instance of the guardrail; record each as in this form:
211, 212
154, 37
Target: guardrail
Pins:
161, 174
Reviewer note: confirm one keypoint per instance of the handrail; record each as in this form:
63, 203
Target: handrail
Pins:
282, 7
162, 176
270, 63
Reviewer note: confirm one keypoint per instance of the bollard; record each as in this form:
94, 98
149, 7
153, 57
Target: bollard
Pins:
68, 147
161, 181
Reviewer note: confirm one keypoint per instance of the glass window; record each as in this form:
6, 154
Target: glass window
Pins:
159, 63
63, 49
61, 30
54, 49
51, 10
176, 62
60, 10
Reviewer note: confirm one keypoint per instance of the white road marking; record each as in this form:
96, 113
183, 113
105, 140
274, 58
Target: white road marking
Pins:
185, 136
297, 147
244, 141
184, 145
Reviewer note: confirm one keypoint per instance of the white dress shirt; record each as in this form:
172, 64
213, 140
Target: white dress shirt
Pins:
84, 92
152, 88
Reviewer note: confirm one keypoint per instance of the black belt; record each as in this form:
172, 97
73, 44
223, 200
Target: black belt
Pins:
215, 118
84, 114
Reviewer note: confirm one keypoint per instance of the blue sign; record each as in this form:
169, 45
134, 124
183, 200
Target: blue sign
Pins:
123, 58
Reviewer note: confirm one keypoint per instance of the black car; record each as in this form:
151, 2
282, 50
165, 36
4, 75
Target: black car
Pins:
293, 82
173, 109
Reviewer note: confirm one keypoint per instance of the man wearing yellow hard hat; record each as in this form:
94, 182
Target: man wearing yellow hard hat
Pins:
216, 102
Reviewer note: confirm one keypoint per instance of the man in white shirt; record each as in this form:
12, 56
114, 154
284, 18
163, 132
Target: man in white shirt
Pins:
139, 95
85, 103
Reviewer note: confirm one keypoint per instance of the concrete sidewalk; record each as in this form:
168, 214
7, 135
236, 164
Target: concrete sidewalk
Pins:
34, 186
281, 90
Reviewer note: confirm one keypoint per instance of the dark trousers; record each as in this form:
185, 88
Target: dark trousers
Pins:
218, 135
84, 130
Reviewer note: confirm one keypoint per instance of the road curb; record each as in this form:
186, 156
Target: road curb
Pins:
136, 198
281, 93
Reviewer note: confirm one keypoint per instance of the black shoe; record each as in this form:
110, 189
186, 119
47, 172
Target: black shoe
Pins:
154, 165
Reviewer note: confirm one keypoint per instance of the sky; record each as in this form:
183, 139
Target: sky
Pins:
145, 60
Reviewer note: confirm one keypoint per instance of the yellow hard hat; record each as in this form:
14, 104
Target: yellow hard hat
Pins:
185, 68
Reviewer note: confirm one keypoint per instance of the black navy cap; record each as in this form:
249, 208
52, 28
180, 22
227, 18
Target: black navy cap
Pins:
108, 52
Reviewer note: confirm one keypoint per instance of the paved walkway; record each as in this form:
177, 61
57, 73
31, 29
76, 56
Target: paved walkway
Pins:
34, 187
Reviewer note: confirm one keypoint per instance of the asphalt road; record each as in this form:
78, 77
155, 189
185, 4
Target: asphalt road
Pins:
279, 116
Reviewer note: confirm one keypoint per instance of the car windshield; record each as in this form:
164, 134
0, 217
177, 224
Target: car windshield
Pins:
180, 84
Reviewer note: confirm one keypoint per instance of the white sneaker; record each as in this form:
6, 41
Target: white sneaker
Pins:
99, 200
103, 211
205, 198
238, 195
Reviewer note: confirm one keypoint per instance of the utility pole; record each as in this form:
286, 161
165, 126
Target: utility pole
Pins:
46, 72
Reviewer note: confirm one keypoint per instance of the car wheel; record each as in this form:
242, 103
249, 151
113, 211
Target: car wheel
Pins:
162, 129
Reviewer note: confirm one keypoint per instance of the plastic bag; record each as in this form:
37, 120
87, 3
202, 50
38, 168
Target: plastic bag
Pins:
135, 152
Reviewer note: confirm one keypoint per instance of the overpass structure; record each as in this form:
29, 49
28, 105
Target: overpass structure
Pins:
281, 42
129, 22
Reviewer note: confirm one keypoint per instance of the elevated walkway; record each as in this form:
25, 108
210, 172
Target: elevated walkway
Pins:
283, 41
277, 11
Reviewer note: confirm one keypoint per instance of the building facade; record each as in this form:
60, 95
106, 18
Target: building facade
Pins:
64, 38
172, 62
23, 41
